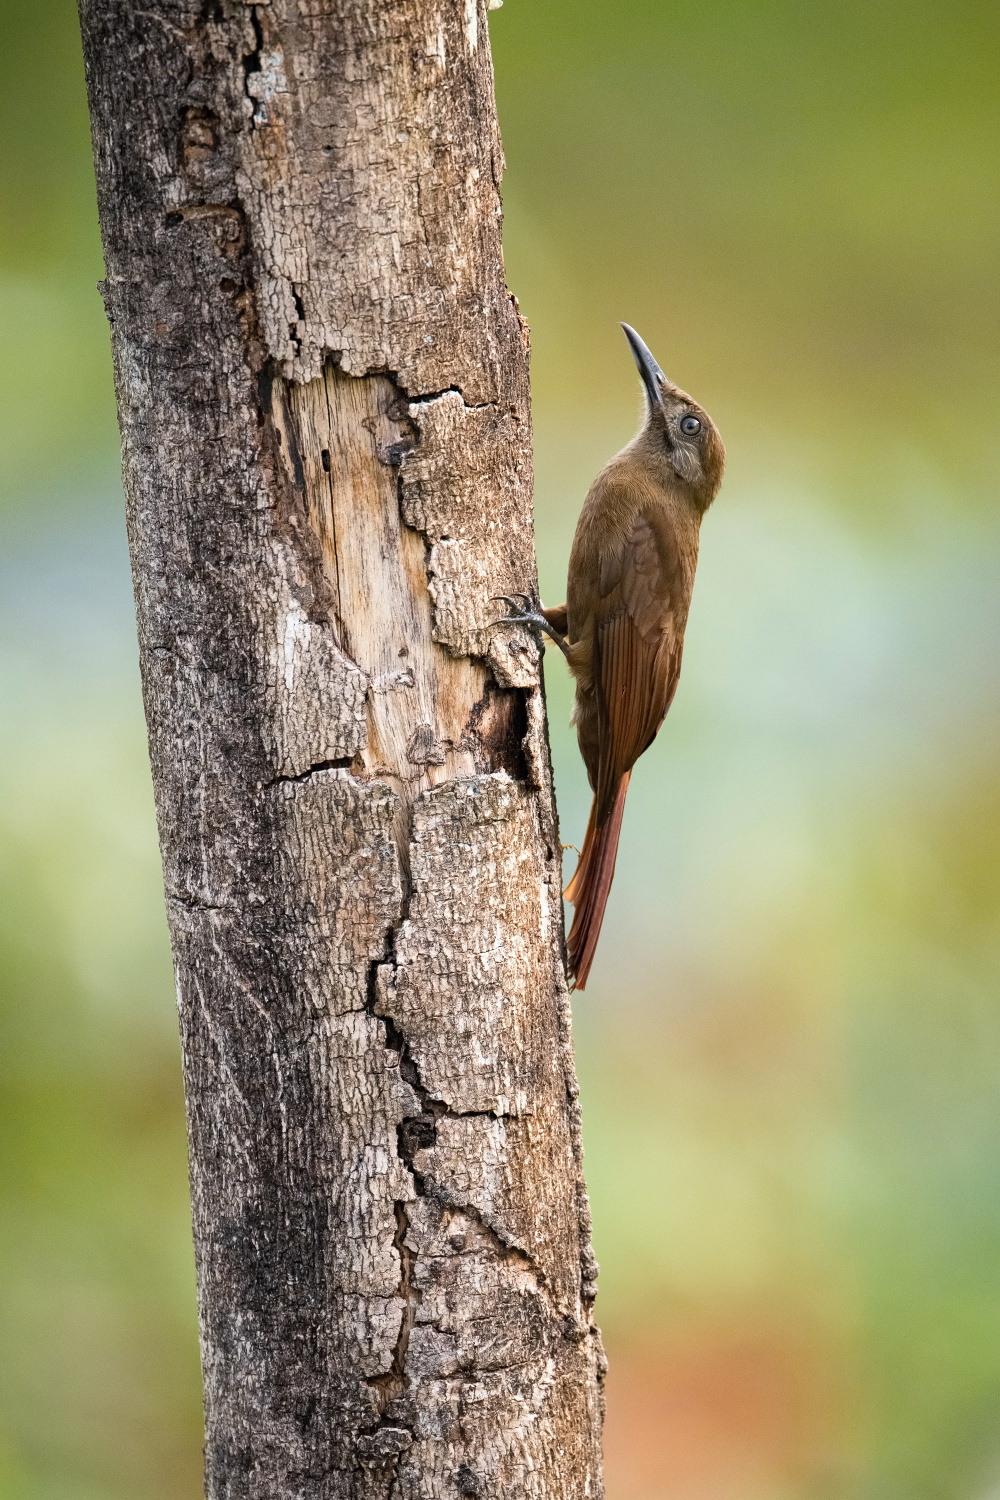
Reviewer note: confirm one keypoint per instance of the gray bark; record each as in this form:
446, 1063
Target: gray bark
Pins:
323, 396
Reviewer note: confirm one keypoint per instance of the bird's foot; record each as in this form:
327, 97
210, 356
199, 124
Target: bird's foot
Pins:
524, 611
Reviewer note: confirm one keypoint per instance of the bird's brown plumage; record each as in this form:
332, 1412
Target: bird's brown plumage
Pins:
631, 573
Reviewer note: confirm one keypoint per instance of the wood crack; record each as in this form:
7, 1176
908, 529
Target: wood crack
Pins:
342, 763
424, 397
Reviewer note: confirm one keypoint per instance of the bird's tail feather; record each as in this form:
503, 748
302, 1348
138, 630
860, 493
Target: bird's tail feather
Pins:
591, 885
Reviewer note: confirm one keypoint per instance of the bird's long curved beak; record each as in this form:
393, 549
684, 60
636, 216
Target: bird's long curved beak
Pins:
653, 377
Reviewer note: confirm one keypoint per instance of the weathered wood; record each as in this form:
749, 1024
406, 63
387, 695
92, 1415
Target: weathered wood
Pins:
323, 396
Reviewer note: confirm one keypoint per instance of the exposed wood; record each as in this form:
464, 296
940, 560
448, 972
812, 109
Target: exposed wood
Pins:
323, 396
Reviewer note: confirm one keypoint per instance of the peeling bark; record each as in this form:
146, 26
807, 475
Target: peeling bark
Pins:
323, 396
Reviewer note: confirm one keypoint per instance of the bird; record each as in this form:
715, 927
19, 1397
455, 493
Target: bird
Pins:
621, 630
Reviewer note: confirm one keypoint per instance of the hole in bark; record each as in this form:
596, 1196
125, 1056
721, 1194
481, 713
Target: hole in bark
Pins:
416, 1132
415, 1135
497, 726
272, 398
393, 455
325, 460
396, 1042
227, 284
265, 383
173, 220
251, 62
467, 1482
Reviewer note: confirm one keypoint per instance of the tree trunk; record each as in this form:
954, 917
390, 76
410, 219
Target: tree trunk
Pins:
323, 396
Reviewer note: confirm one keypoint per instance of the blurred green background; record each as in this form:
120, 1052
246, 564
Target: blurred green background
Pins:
790, 1046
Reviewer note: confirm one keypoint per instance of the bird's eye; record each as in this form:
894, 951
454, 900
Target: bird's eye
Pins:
690, 425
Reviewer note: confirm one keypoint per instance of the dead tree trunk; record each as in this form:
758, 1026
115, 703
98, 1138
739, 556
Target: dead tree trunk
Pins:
323, 394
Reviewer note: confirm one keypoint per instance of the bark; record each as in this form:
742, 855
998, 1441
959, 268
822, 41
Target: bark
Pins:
323, 396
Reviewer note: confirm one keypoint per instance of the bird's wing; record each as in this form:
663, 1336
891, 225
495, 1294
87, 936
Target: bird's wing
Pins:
637, 648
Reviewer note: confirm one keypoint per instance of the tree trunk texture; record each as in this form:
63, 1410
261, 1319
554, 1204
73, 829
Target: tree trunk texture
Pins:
323, 395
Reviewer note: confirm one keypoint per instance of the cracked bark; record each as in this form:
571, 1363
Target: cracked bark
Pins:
323, 397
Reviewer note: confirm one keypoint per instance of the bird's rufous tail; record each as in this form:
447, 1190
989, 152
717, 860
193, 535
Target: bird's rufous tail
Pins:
591, 885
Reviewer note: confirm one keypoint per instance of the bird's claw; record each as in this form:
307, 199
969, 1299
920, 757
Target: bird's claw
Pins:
523, 610
527, 611
520, 602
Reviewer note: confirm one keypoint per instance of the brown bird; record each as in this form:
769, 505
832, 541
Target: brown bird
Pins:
631, 572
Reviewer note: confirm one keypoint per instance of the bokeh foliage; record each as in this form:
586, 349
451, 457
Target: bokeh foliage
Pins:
790, 1048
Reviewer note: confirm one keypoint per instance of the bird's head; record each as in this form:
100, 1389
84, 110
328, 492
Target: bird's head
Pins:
677, 434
